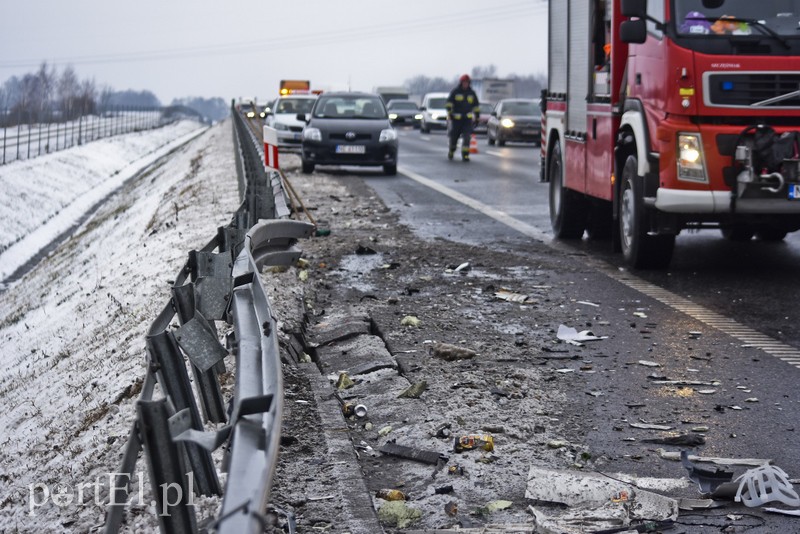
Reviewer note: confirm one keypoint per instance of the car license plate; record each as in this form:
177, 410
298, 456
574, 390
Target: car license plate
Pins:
351, 149
296, 136
794, 191
529, 132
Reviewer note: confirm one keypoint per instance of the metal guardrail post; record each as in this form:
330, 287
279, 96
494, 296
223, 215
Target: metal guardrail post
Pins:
171, 482
166, 356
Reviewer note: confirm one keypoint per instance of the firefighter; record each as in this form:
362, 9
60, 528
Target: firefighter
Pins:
462, 114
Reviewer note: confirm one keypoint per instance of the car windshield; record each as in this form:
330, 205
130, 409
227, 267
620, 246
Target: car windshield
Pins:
520, 108
295, 105
402, 105
437, 103
350, 107
737, 17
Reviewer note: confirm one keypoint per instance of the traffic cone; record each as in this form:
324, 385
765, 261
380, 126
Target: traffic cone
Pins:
473, 144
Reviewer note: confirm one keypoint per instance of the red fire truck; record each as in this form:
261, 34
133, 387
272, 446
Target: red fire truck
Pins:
670, 115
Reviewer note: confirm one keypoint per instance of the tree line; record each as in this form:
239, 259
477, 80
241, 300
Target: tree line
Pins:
50, 95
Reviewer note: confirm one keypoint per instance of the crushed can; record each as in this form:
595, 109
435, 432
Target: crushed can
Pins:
473, 441
390, 495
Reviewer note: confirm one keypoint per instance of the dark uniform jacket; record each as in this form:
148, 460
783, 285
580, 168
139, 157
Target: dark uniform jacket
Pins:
462, 104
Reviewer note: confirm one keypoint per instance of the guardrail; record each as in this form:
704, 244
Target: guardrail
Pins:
220, 282
24, 137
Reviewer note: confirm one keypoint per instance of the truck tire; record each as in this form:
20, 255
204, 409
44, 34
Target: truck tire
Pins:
737, 232
771, 234
567, 207
641, 249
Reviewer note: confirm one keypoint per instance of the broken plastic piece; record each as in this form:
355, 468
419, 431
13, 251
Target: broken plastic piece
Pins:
571, 335
764, 484
707, 479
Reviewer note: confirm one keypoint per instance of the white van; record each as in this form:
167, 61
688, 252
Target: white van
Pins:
434, 113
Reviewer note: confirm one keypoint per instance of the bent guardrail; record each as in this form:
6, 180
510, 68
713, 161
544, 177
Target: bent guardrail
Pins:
220, 282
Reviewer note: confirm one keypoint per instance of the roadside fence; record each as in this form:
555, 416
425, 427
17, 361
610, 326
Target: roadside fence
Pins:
25, 135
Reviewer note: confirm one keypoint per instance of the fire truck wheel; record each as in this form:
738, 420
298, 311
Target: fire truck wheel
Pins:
737, 232
770, 233
567, 207
641, 249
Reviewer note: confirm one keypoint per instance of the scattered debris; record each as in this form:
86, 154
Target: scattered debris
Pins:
473, 441
765, 484
494, 506
385, 431
598, 502
409, 453
450, 353
390, 495
398, 514
464, 267
451, 508
414, 391
676, 456
510, 296
650, 426
344, 381
795, 513
647, 363
364, 250
349, 409
442, 490
410, 320
684, 440
587, 303
572, 336
707, 479
689, 505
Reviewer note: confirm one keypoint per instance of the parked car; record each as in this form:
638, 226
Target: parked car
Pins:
348, 128
434, 113
483, 118
515, 119
282, 116
404, 112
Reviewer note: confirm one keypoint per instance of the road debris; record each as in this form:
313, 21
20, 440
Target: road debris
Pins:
451, 353
572, 336
596, 501
398, 514
473, 441
765, 484
410, 320
414, 391
683, 440
707, 479
410, 453
390, 495
344, 381
651, 426
511, 296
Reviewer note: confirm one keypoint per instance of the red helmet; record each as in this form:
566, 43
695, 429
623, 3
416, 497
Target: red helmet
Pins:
464, 78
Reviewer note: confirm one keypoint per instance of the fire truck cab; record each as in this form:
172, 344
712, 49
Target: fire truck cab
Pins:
669, 115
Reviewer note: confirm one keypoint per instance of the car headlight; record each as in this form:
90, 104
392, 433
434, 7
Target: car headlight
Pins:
312, 134
251, 114
280, 126
262, 114
418, 116
691, 163
387, 135
507, 123
392, 116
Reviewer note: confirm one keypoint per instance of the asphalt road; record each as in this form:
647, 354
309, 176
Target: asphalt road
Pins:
723, 313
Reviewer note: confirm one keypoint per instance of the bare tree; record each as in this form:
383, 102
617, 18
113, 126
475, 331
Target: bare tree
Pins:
68, 88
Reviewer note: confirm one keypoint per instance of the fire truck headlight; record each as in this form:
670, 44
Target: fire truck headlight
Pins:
691, 163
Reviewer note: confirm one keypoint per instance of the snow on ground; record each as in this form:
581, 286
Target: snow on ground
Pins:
73, 329
60, 187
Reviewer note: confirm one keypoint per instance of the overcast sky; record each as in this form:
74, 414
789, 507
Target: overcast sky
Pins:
243, 48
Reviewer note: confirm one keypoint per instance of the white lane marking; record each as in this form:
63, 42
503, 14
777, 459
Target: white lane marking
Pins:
500, 216
494, 153
746, 335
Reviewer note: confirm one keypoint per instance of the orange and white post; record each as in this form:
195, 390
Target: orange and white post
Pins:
271, 148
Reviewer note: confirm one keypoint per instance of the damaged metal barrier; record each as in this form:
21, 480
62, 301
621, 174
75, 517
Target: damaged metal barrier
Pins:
220, 282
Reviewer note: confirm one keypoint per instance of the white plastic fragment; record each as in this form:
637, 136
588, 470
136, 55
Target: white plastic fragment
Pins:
765, 484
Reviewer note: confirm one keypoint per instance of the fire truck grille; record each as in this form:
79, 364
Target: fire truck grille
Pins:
781, 90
